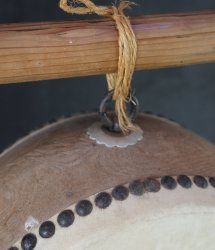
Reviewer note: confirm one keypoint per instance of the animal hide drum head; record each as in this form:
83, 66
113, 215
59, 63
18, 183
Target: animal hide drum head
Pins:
178, 218
60, 190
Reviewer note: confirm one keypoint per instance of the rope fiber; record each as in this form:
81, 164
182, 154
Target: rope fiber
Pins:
119, 82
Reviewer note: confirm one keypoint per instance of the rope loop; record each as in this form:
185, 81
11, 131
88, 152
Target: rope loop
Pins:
119, 82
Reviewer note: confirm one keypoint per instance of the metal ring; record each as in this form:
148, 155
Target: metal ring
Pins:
112, 124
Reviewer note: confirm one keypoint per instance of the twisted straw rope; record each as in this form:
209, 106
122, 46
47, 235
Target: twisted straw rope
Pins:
119, 82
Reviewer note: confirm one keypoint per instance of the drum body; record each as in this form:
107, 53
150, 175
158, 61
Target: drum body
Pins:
57, 167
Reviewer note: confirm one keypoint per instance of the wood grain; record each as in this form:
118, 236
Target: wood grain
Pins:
59, 165
40, 51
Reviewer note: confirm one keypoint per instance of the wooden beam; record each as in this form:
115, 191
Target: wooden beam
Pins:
51, 50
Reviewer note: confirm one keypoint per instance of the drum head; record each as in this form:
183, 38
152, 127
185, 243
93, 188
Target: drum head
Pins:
178, 218
63, 191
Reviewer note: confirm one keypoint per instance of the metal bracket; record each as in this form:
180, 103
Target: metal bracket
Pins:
101, 135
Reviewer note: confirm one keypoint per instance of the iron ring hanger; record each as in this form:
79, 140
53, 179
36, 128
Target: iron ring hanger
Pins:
111, 123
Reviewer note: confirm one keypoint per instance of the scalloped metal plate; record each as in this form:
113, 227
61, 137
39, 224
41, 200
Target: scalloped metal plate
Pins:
97, 134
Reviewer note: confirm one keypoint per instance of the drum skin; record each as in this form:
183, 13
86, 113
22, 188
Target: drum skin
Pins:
59, 165
180, 215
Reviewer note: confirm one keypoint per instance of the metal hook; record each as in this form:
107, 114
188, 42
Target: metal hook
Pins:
112, 124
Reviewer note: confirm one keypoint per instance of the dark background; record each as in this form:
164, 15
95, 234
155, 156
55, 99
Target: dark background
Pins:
185, 94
